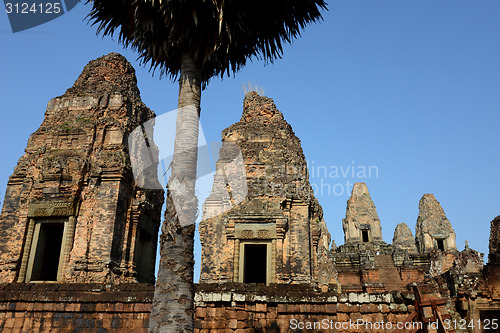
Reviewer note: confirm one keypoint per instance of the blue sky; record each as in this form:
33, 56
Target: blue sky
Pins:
409, 87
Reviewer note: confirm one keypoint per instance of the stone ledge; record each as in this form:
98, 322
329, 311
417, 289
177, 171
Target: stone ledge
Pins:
80, 293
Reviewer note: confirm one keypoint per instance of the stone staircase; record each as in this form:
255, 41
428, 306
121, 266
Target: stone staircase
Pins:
389, 274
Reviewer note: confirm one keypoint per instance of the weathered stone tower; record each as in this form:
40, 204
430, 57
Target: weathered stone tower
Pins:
72, 210
403, 238
433, 229
494, 245
493, 266
365, 262
361, 223
277, 233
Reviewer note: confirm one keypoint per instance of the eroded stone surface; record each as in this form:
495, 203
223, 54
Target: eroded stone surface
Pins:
279, 209
77, 171
494, 246
433, 229
403, 238
361, 223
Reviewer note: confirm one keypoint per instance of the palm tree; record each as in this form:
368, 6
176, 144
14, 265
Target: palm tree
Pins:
193, 41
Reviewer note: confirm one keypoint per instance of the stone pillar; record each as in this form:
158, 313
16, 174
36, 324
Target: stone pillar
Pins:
236, 262
273, 261
26, 252
69, 235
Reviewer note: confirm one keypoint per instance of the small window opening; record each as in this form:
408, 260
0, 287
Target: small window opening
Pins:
255, 263
364, 235
48, 252
440, 244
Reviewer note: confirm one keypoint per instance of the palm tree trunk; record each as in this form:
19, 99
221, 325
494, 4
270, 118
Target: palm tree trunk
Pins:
173, 304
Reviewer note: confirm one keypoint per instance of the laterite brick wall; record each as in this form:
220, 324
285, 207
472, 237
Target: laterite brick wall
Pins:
224, 308
50, 307
285, 308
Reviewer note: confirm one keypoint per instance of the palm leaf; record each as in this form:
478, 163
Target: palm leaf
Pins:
221, 34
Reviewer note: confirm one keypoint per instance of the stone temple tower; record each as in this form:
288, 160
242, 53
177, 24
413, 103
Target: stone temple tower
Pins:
276, 233
433, 229
403, 238
361, 223
73, 211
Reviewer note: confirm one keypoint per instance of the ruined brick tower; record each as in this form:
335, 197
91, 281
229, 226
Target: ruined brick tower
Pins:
494, 245
361, 223
277, 233
433, 229
72, 210
403, 238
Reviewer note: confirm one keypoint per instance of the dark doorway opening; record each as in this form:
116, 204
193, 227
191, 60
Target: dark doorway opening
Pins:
48, 251
144, 256
440, 244
489, 317
364, 235
255, 267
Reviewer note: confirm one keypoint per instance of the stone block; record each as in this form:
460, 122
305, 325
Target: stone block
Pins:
368, 308
232, 323
201, 312
241, 315
384, 308
331, 308
364, 298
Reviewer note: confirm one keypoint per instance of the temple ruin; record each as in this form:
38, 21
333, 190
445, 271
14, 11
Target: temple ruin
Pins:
277, 234
433, 229
72, 211
361, 223
79, 233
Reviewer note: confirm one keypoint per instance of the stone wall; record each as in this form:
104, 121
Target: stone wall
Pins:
282, 308
219, 308
229, 308
47, 307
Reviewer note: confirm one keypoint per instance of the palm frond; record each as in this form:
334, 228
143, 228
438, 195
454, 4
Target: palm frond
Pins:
220, 34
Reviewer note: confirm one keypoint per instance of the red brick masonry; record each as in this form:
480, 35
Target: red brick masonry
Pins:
251, 308
51, 307
219, 308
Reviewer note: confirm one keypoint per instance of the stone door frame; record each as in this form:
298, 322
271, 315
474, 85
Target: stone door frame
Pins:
47, 212
269, 260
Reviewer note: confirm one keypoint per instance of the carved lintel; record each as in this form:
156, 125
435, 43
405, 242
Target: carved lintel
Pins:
51, 209
255, 231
